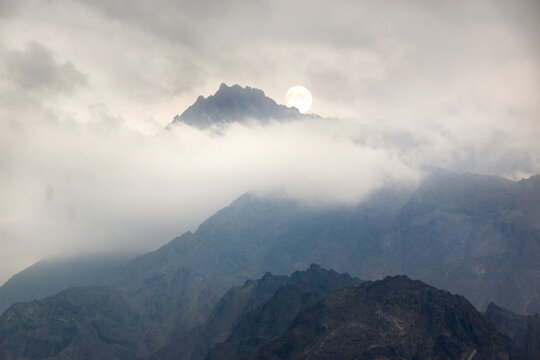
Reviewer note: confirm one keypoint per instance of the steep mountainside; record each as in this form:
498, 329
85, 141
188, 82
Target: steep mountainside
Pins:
106, 322
236, 302
457, 231
255, 235
47, 277
260, 326
255, 313
78, 323
475, 235
395, 318
235, 104
523, 330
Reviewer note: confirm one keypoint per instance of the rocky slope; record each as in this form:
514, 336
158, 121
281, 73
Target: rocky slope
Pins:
236, 302
106, 322
523, 330
262, 325
472, 234
78, 323
251, 315
255, 235
395, 318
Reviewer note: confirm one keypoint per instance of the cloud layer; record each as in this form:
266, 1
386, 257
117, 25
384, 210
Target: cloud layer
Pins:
87, 88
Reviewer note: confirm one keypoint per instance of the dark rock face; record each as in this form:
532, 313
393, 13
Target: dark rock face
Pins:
260, 326
106, 322
523, 330
235, 303
235, 104
78, 323
249, 316
395, 318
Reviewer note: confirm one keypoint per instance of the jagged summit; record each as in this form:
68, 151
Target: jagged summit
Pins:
394, 318
235, 104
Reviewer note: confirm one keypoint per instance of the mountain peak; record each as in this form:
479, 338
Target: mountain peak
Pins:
392, 318
239, 91
235, 104
224, 86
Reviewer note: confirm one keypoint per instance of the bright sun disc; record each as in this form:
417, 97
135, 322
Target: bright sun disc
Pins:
299, 97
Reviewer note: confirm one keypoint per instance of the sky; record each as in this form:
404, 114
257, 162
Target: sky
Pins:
87, 88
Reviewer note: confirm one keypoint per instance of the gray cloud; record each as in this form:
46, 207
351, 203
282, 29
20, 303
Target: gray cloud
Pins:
88, 86
35, 69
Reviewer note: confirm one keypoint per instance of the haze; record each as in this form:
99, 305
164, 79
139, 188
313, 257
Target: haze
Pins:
88, 87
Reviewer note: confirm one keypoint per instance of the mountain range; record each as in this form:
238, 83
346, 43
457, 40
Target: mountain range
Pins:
49, 276
474, 235
394, 318
315, 314
249, 316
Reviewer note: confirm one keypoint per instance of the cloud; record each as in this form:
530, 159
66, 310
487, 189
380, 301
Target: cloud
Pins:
35, 69
89, 85
115, 188
33, 80
102, 186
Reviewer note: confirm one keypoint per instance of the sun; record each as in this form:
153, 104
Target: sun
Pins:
299, 97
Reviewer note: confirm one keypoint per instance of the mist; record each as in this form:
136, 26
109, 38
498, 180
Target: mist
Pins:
87, 164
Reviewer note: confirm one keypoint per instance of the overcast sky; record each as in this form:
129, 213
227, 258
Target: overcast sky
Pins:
87, 87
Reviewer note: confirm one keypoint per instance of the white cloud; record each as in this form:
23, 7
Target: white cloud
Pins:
89, 86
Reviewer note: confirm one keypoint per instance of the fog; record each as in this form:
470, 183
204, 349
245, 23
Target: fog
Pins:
86, 164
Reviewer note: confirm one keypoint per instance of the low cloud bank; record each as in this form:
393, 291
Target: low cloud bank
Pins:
71, 187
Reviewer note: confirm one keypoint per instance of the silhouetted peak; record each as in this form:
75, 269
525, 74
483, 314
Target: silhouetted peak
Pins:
237, 90
397, 278
534, 179
375, 319
493, 307
222, 87
236, 104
